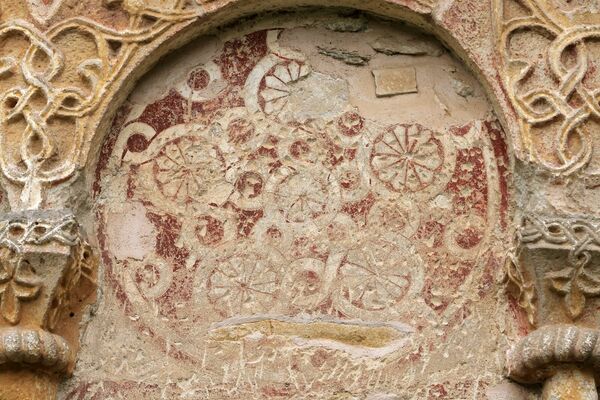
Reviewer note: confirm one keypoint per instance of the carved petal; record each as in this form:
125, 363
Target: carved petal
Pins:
10, 307
575, 301
561, 280
25, 292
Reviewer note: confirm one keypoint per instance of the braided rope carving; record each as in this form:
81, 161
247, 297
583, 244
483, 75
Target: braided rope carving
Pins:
537, 356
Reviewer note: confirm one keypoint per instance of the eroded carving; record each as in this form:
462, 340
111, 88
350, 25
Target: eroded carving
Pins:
540, 354
45, 269
555, 272
577, 280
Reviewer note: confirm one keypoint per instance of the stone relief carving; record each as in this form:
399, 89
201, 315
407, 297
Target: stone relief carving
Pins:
56, 74
578, 280
551, 81
45, 269
322, 234
556, 274
48, 91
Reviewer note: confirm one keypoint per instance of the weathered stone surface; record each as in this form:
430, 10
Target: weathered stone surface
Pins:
389, 82
349, 57
351, 23
270, 227
414, 46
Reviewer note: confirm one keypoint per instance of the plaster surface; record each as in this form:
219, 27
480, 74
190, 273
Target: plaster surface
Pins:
271, 228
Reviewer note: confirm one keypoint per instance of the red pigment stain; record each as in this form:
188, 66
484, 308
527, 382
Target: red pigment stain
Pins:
351, 124
437, 392
496, 136
165, 112
469, 182
335, 155
299, 149
305, 247
431, 229
349, 180
198, 79
487, 280
249, 185
469, 238
108, 146
446, 279
137, 143
240, 56
350, 154
180, 291
588, 79
122, 297
206, 111
209, 230
319, 358
461, 130
274, 233
240, 131
168, 229
131, 185
247, 219
359, 210
519, 315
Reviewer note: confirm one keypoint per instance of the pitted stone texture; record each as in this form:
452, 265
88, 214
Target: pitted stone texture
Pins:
546, 350
27, 347
295, 235
394, 81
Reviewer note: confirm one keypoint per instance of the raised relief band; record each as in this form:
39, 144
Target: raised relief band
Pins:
46, 271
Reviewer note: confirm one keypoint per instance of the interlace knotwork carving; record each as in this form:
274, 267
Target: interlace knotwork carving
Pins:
580, 237
551, 94
48, 93
538, 355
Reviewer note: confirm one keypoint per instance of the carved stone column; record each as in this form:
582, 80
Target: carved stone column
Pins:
556, 271
46, 275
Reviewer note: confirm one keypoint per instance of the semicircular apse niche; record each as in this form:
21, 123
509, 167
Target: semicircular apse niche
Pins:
305, 205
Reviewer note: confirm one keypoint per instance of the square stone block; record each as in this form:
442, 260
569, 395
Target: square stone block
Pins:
394, 81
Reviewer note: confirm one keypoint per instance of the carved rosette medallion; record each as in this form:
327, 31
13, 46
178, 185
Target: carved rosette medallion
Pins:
46, 269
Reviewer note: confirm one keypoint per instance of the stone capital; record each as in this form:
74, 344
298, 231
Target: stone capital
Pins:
46, 272
556, 273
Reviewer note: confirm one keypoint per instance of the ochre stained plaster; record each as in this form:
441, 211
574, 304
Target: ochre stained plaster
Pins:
266, 219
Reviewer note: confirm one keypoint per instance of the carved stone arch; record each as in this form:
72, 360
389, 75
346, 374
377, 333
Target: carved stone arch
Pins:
433, 17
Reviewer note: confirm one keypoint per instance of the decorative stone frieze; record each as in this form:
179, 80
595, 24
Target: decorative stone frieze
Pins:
548, 62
